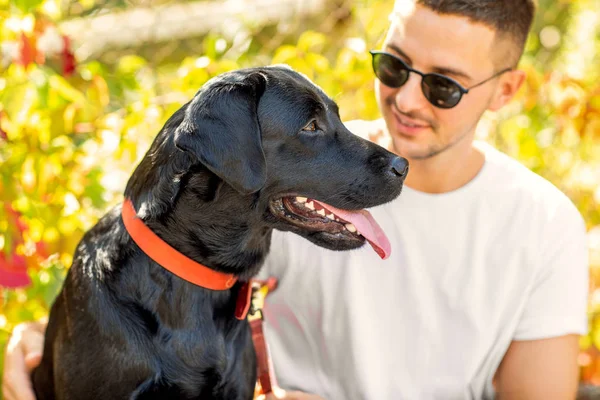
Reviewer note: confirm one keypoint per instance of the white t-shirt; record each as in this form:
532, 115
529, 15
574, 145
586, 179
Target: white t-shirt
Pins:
503, 258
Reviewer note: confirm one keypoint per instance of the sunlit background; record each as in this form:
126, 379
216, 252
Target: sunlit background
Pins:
85, 86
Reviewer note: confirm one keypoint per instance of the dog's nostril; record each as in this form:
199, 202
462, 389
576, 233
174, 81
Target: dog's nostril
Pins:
400, 166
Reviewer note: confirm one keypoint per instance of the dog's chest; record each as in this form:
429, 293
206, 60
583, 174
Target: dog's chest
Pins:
191, 365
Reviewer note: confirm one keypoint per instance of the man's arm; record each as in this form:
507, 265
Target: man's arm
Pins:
541, 360
539, 369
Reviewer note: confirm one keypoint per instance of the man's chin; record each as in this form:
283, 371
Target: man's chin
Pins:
414, 149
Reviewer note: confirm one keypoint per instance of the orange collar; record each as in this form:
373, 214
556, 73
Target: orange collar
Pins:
169, 258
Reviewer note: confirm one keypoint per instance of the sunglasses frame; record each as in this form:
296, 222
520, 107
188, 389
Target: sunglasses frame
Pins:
462, 90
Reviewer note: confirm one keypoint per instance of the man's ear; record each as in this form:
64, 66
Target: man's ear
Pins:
508, 86
221, 130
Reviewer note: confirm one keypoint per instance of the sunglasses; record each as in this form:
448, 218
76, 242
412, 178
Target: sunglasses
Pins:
439, 90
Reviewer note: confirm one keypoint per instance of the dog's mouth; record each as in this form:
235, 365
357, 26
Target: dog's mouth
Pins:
313, 215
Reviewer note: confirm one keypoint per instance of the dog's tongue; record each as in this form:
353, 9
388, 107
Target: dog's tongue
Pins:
367, 226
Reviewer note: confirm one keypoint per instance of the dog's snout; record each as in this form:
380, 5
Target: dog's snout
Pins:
400, 166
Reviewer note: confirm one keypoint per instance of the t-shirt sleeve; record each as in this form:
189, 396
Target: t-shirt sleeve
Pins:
557, 303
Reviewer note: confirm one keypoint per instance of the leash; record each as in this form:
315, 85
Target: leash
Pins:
266, 375
250, 300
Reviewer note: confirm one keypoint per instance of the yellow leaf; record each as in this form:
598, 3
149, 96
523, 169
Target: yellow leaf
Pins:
65, 90
36, 229
66, 259
99, 92
28, 177
284, 54
311, 41
318, 62
69, 117
130, 64
51, 235
67, 225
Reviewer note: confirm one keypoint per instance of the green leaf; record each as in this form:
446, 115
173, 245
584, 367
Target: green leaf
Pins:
26, 6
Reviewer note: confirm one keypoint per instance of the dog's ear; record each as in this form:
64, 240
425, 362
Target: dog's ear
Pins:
221, 130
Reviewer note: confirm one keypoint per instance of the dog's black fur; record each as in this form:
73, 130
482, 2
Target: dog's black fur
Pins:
125, 328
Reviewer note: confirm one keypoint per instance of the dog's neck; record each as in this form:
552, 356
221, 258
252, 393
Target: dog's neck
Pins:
191, 209
215, 235
170, 258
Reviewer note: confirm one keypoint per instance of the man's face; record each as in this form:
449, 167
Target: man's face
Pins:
449, 45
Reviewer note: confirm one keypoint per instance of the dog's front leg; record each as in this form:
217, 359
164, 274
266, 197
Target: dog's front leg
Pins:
241, 381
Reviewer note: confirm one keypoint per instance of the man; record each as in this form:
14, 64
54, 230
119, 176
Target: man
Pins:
485, 292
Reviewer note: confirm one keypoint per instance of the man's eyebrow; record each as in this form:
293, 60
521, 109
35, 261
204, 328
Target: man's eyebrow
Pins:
439, 70
400, 52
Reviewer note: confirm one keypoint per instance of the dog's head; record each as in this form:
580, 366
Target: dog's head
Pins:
265, 148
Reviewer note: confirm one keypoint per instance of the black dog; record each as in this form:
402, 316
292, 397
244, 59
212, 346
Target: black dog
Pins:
225, 170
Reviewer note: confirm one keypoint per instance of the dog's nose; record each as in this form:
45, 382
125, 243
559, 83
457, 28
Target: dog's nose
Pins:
400, 166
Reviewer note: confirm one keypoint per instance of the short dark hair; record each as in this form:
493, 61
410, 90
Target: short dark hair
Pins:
509, 18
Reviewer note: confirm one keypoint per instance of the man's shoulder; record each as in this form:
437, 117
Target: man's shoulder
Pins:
509, 174
509, 178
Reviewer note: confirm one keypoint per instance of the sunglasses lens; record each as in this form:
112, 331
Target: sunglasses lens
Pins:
441, 91
389, 70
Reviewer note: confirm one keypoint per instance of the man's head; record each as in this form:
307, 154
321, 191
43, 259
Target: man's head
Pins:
476, 43
510, 20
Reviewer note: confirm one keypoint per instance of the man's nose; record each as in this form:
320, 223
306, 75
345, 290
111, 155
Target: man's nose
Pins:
410, 96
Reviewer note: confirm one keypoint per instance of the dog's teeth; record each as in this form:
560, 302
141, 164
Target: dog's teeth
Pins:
321, 212
331, 217
301, 199
351, 228
310, 205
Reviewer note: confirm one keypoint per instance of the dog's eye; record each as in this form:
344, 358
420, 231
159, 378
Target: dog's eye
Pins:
311, 126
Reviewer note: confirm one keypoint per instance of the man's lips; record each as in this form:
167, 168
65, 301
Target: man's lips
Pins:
409, 126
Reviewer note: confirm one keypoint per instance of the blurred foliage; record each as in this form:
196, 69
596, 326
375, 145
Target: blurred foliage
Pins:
69, 138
